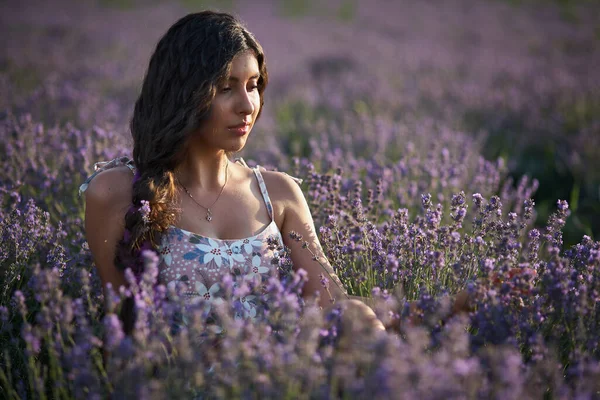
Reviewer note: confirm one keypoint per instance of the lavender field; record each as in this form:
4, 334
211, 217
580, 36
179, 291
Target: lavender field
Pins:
443, 146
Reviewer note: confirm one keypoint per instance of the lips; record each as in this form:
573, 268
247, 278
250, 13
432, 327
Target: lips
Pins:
240, 129
240, 126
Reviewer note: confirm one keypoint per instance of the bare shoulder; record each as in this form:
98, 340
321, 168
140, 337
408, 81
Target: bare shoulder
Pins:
286, 195
107, 199
282, 188
110, 189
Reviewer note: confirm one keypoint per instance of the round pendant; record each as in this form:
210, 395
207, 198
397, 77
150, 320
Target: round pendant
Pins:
208, 216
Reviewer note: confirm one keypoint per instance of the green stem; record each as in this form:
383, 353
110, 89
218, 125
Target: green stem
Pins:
7, 386
314, 257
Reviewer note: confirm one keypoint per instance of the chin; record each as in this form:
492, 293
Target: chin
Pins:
237, 147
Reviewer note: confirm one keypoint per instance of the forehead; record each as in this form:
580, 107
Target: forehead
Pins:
244, 65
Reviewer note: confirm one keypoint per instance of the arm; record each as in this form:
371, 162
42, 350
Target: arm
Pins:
107, 199
307, 252
297, 218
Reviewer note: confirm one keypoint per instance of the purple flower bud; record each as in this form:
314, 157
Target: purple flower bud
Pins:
324, 281
113, 331
33, 341
534, 234
145, 211
562, 205
426, 200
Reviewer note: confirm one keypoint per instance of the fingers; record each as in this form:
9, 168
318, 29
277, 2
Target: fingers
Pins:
378, 325
462, 302
356, 309
525, 277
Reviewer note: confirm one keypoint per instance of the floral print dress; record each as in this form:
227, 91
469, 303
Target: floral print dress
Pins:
197, 263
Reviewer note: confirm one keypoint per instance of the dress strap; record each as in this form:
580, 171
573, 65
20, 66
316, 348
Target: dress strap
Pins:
263, 190
103, 166
241, 161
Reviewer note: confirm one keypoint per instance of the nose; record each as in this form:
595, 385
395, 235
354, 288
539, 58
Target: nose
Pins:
245, 105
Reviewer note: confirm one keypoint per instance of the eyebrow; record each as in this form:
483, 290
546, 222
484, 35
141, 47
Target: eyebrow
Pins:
236, 79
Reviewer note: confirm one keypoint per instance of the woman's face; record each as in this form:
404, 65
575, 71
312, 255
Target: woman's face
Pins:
234, 108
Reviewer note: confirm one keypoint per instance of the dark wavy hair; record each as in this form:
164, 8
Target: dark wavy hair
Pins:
185, 70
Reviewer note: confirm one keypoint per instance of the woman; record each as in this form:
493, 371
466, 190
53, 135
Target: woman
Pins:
181, 195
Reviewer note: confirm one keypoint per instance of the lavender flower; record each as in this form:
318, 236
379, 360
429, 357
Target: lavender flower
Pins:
145, 211
410, 211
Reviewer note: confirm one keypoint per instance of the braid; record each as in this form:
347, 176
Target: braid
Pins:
189, 63
187, 66
152, 211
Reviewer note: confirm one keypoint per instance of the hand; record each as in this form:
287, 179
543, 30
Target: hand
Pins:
462, 303
356, 311
526, 274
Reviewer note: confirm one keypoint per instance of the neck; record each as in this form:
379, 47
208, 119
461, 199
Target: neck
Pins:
206, 172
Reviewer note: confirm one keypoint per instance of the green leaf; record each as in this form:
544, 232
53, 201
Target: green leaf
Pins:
195, 239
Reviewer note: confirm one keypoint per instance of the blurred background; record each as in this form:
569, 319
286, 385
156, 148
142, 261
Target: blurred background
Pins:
521, 79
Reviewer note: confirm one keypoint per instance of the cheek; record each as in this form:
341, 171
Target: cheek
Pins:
216, 115
219, 108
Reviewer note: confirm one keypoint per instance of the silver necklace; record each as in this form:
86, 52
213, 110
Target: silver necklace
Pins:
208, 212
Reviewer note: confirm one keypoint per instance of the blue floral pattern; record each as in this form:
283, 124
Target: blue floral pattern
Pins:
195, 264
